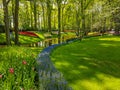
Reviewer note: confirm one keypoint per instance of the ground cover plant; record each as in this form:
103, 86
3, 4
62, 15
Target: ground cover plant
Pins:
93, 64
17, 68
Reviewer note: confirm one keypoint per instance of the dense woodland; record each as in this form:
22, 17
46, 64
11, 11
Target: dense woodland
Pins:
82, 16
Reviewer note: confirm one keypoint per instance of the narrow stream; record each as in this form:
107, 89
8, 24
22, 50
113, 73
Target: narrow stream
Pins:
50, 41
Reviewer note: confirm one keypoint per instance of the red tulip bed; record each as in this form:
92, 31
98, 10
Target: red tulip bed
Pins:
28, 33
17, 69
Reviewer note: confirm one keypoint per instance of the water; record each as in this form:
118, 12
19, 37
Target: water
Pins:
51, 41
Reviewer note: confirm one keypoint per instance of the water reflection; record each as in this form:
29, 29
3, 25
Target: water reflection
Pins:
50, 41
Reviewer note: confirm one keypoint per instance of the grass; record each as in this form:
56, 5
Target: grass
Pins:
93, 64
23, 39
17, 68
28, 39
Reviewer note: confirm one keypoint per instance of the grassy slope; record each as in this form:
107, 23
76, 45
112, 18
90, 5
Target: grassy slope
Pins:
24, 39
93, 64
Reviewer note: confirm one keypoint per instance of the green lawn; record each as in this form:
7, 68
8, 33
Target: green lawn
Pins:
23, 39
93, 64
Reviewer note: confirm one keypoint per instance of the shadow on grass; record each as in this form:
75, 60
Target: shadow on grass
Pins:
92, 59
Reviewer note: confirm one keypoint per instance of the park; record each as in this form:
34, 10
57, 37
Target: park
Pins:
59, 45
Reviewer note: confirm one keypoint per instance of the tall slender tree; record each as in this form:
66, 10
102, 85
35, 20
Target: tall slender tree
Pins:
16, 21
49, 8
59, 20
6, 20
42, 3
35, 14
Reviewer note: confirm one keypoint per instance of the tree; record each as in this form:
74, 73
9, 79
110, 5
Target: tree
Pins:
6, 20
16, 22
42, 3
49, 8
59, 19
35, 15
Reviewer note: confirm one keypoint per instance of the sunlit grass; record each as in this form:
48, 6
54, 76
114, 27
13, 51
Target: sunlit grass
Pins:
110, 38
93, 64
23, 39
28, 39
40, 35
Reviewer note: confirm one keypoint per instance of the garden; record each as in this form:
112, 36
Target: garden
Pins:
59, 45
17, 68
93, 64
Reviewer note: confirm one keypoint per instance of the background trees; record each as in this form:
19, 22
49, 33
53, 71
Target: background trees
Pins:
81, 16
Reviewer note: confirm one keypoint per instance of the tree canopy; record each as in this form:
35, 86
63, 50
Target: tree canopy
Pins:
82, 16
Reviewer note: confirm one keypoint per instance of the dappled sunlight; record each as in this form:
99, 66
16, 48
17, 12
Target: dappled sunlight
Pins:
87, 58
107, 45
99, 82
23, 39
110, 39
64, 64
75, 71
90, 65
108, 81
92, 85
28, 39
83, 67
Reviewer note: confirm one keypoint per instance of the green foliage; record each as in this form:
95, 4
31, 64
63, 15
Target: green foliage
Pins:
2, 37
17, 67
92, 64
94, 10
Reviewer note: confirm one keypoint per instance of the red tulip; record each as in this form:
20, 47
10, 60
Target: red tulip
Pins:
11, 70
0, 76
24, 62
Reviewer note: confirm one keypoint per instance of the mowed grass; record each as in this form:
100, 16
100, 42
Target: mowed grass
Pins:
93, 64
24, 39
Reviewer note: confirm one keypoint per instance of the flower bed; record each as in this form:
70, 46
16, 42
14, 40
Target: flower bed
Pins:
17, 69
28, 33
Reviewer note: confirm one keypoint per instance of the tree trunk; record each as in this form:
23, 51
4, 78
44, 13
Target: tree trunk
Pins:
78, 24
43, 15
49, 15
31, 17
59, 22
16, 22
6, 21
13, 9
62, 23
83, 19
35, 15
